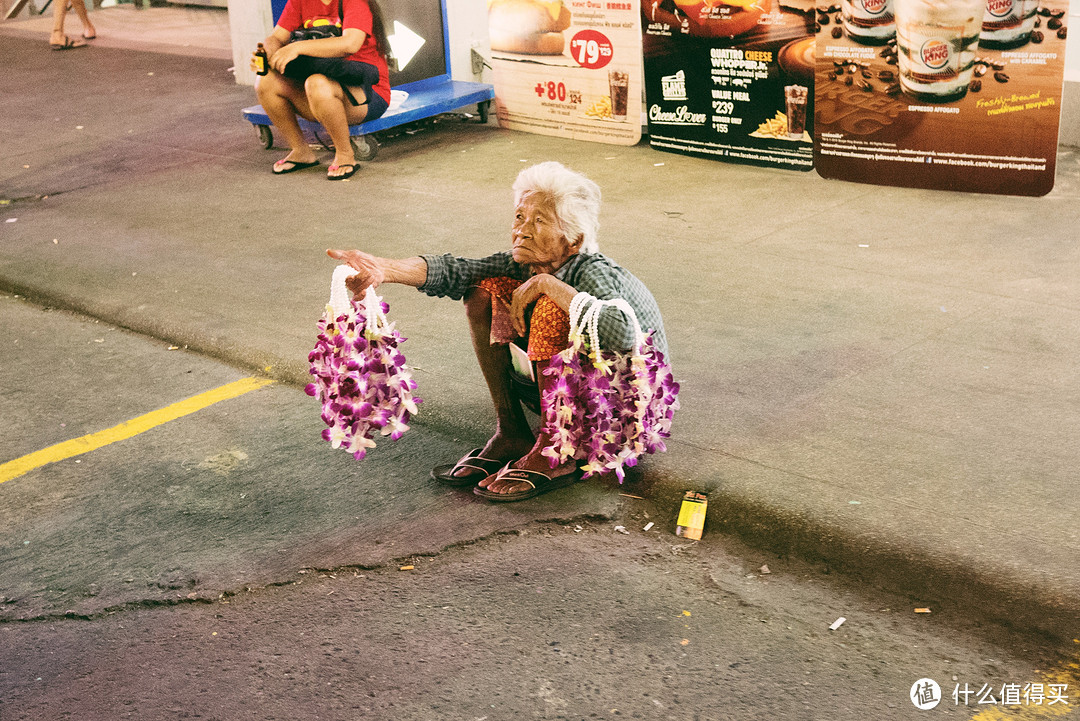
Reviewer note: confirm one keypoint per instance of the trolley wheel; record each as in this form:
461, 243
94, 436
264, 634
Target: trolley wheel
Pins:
484, 108
266, 137
365, 147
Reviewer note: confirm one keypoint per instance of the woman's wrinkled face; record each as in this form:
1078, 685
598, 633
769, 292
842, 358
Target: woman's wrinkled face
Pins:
537, 238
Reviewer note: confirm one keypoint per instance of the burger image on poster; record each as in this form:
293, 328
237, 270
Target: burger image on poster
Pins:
529, 27
721, 18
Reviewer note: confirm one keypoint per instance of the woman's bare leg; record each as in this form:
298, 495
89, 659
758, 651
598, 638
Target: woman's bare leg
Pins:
513, 436
283, 99
59, 12
533, 460
89, 32
330, 107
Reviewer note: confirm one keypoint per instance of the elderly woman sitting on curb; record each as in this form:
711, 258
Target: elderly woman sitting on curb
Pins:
553, 256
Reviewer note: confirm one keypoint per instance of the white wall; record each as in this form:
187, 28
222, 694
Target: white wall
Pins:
250, 21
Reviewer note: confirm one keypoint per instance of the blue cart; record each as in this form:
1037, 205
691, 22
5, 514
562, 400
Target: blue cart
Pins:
425, 77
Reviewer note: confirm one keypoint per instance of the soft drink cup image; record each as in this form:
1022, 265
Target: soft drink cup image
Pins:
619, 85
870, 22
937, 41
1007, 23
795, 105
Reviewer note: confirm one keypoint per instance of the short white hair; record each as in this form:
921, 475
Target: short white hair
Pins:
576, 199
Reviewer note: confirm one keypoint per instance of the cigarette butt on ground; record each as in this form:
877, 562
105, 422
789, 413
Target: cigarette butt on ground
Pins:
922, 610
406, 568
648, 525
837, 623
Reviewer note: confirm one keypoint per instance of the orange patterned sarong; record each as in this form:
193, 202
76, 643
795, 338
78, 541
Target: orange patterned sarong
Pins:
549, 326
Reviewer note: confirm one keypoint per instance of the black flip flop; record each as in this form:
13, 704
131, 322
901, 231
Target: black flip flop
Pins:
68, 44
540, 482
293, 166
472, 461
347, 174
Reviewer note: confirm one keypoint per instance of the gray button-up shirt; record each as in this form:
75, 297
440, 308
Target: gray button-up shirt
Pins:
593, 273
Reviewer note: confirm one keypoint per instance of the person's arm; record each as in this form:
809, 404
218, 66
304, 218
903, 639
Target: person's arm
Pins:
372, 270
527, 293
273, 42
349, 42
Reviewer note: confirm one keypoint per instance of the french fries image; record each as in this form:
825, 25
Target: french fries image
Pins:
602, 108
775, 127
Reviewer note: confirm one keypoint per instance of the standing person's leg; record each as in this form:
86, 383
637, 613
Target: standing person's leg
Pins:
89, 32
335, 111
58, 40
283, 99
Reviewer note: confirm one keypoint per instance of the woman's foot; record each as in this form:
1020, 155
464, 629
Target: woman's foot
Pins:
534, 460
344, 166
503, 448
89, 32
59, 41
296, 160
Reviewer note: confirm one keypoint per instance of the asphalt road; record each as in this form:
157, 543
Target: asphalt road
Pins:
229, 565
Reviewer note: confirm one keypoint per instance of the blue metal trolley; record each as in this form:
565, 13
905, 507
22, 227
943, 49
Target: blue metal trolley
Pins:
425, 78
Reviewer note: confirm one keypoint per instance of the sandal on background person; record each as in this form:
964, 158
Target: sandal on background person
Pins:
343, 176
68, 44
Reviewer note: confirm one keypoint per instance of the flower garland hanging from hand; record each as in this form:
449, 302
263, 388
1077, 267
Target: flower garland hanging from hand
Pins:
602, 407
361, 376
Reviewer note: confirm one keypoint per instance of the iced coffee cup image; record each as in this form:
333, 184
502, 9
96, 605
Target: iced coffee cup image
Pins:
722, 18
870, 22
937, 41
1007, 23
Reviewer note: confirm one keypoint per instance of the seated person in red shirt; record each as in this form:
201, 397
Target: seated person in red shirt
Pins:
290, 88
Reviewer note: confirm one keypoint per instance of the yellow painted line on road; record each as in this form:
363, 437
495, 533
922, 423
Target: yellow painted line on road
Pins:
1067, 680
127, 429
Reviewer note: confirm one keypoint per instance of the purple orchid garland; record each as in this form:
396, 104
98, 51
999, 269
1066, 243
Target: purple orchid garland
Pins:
361, 377
607, 408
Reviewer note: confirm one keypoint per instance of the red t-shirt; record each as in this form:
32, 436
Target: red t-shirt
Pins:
299, 13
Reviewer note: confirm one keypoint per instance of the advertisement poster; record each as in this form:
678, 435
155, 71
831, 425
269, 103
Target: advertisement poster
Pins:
941, 94
570, 68
731, 79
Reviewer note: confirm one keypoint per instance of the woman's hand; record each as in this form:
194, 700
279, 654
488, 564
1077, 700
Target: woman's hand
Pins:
527, 293
285, 55
370, 270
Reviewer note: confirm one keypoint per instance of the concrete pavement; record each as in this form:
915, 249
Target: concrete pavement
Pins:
881, 380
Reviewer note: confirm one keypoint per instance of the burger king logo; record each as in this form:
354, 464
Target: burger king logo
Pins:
875, 7
935, 54
999, 8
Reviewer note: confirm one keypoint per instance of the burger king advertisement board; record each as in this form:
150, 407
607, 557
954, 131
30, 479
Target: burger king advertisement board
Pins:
940, 94
731, 79
569, 68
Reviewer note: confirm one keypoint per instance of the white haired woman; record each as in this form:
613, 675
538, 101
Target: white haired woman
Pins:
526, 292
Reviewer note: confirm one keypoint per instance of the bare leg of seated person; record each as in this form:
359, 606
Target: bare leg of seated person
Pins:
283, 99
548, 334
513, 437
332, 108
533, 460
